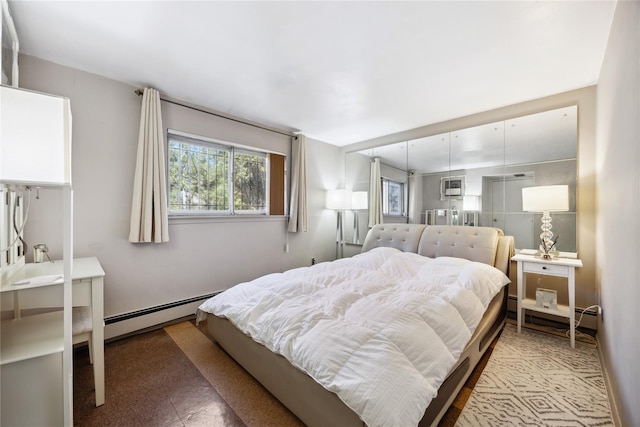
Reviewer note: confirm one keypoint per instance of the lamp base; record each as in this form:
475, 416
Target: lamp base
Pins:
547, 255
547, 242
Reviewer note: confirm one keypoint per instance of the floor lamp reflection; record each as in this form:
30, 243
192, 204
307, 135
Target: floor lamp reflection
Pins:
359, 202
339, 200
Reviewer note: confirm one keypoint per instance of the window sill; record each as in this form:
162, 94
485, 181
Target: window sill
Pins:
202, 219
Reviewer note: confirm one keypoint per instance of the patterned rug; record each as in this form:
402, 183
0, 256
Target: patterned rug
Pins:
537, 379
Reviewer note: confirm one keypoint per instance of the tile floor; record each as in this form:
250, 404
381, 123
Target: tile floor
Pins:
176, 376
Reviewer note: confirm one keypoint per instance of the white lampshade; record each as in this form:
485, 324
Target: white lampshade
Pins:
35, 137
471, 203
546, 198
359, 200
339, 199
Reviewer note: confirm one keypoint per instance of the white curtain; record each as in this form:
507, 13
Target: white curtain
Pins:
375, 194
149, 210
415, 198
298, 205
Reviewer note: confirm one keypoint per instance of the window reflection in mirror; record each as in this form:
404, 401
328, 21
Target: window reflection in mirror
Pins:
496, 161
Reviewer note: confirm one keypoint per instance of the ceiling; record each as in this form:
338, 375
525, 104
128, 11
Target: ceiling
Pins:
339, 72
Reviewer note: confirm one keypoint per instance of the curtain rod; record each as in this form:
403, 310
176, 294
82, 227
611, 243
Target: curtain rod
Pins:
139, 92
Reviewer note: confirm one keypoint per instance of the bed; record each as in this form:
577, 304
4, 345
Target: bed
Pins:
389, 272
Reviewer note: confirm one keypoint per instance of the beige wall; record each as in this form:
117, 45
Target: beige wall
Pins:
585, 99
202, 256
618, 211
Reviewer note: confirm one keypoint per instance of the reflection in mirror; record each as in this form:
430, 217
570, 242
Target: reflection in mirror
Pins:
496, 161
470, 151
394, 184
541, 149
425, 155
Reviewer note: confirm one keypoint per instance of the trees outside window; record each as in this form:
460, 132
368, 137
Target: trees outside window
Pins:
214, 178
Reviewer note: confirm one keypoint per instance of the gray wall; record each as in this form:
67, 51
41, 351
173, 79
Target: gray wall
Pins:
202, 256
618, 210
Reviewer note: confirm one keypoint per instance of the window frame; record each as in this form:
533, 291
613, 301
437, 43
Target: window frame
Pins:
385, 182
232, 148
265, 210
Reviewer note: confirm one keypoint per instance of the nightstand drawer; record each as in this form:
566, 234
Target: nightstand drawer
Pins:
547, 268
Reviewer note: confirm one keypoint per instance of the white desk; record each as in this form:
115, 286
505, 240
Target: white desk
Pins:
561, 267
88, 288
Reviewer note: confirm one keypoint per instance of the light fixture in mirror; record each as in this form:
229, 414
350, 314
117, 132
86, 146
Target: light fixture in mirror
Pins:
339, 200
471, 203
359, 202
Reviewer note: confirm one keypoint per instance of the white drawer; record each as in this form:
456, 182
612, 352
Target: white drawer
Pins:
555, 270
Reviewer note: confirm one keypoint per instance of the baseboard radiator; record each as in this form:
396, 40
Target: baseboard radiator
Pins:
133, 322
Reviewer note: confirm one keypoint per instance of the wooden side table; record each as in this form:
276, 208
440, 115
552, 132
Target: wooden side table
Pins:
561, 267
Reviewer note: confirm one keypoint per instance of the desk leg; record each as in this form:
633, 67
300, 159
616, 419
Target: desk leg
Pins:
16, 305
521, 287
572, 306
97, 308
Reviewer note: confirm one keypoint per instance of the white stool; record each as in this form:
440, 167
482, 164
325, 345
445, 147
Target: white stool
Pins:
82, 328
82, 331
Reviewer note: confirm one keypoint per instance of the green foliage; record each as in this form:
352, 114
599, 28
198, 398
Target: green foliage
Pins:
199, 177
250, 176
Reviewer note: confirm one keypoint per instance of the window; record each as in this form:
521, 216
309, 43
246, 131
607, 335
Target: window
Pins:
392, 197
214, 177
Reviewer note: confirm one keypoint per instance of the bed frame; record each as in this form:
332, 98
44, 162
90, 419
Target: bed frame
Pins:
316, 406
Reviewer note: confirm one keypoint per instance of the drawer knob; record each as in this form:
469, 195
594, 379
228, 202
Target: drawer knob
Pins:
544, 267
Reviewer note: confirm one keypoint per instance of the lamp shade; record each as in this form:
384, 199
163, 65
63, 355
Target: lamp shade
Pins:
359, 200
471, 203
546, 198
339, 199
35, 137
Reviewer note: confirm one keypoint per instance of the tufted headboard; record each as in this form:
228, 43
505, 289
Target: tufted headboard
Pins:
404, 237
482, 244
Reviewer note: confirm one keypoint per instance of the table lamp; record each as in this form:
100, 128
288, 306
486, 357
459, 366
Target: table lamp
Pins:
546, 199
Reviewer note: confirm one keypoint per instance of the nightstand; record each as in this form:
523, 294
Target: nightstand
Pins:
561, 267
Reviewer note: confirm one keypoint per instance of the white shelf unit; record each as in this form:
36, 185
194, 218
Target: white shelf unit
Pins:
559, 267
36, 366
31, 336
12, 256
561, 310
37, 285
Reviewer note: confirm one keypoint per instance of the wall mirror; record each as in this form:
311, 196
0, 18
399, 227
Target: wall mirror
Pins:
475, 176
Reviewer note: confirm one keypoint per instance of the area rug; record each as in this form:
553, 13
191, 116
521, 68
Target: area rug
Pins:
536, 379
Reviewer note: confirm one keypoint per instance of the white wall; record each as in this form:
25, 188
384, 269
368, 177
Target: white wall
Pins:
618, 209
202, 257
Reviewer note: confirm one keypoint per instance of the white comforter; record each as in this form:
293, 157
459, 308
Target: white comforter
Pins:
381, 329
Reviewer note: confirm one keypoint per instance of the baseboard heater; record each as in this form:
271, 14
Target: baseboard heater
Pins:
149, 310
